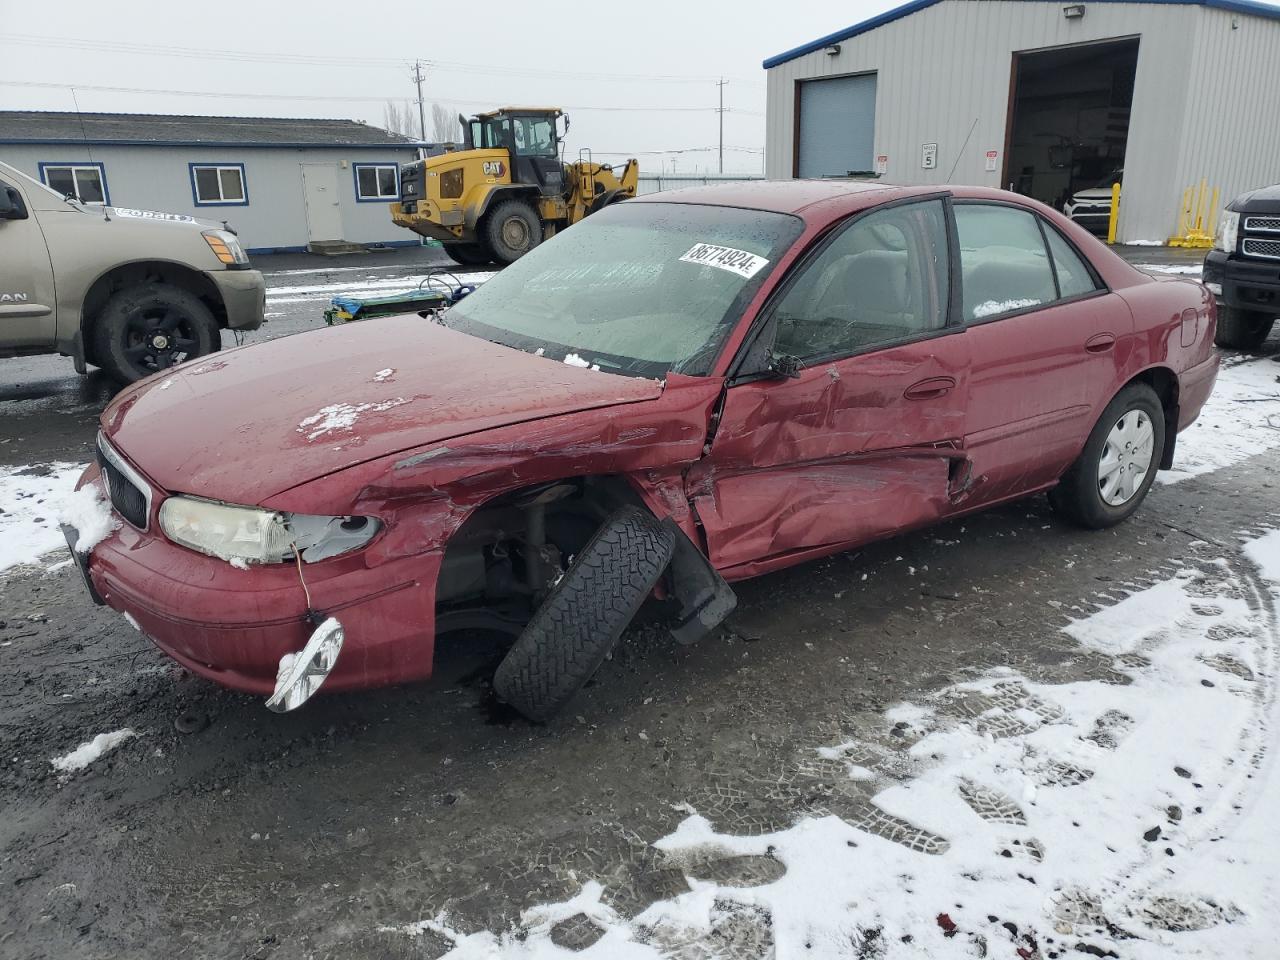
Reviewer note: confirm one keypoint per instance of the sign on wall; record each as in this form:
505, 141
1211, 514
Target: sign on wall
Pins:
929, 156
992, 156
882, 164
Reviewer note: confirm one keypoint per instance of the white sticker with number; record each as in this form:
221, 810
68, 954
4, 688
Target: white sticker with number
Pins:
741, 262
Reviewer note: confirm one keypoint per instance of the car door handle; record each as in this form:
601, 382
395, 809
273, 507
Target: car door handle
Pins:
1100, 343
929, 389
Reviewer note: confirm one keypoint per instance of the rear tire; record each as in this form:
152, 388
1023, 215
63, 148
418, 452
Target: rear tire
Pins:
584, 614
468, 254
1109, 481
512, 230
148, 328
1242, 329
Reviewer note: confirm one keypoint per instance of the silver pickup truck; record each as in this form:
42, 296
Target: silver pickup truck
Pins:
130, 291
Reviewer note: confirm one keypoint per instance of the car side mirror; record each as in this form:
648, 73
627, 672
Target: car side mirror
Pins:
784, 366
11, 205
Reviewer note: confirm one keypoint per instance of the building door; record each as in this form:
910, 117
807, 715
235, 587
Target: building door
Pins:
837, 126
324, 210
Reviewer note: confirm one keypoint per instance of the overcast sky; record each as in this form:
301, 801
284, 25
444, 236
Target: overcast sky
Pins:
661, 53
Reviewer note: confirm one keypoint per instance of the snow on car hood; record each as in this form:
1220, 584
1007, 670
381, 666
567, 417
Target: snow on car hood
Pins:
245, 425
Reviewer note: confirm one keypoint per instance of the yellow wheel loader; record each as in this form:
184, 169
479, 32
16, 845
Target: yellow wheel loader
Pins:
508, 188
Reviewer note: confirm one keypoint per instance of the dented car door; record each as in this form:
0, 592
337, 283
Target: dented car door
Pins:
866, 439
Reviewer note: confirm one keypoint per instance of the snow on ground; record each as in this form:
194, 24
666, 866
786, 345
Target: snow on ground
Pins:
1131, 816
1185, 270
29, 502
370, 286
1241, 419
91, 750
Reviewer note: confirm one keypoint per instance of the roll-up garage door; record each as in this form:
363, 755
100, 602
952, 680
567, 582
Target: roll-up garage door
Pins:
837, 126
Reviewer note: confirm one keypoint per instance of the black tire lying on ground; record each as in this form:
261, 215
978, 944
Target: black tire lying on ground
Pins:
1242, 329
584, 614
1079, 496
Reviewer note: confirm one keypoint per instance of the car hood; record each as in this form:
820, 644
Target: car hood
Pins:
1092, 195
248, 424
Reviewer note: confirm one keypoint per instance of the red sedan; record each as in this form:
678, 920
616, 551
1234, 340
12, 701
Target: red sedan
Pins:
683, 390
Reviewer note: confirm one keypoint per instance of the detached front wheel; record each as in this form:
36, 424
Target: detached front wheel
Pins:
148, 328
584, 614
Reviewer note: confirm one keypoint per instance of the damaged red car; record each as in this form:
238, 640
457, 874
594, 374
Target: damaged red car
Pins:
681, 391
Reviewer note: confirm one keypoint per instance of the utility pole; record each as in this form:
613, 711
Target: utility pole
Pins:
720, 110
422, 112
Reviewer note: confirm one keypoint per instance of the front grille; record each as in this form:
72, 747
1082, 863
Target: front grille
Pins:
1262, 224
1253, 247
128, 492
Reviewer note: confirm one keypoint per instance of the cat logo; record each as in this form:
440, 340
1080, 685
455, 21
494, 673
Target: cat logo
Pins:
494, 168
14, 297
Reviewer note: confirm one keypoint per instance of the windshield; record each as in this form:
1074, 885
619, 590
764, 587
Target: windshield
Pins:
527, 136
1116, 176
638, 288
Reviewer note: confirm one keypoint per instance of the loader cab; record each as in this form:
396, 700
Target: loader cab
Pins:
531, 136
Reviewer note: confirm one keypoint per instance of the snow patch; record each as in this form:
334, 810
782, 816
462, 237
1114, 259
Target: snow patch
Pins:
342, 416
573, 360
1187, 271
382, 376
989, 308
1028, 819
88, 752
88, 511
30, 497
1241, 419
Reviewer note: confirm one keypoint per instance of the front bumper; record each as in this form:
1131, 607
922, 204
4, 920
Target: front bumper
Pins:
232, 626
1245, 284
244, 294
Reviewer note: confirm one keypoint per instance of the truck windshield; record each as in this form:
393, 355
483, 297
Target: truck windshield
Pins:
639, 288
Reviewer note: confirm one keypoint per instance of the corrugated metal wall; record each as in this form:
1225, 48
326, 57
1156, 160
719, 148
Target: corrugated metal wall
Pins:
1231, 125
1201, 96
157, 178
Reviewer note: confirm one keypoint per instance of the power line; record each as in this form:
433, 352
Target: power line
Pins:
327, 60
324, 98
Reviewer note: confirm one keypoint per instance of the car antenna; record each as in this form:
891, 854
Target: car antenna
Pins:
89, 150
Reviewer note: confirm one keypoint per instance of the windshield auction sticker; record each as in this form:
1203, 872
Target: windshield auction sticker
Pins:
741, 262
132, 214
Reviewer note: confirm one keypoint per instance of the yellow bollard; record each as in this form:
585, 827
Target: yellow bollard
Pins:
1115, 213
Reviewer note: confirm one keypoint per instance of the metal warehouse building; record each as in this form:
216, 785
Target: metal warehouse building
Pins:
282, 183
1045, 98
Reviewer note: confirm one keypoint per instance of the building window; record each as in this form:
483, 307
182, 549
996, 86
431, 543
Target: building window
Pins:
87, 182
219, 184
377, 181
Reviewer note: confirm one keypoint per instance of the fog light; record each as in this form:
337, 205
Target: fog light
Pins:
1215, 289
301, 674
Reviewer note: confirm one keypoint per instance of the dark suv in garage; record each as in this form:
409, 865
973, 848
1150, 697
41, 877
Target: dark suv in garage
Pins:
1243, 268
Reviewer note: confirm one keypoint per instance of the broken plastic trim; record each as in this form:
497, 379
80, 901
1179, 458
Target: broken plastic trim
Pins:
301, 674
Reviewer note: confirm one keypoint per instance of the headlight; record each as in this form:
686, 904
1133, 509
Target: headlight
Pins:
1228, 232
226, 247
253, 535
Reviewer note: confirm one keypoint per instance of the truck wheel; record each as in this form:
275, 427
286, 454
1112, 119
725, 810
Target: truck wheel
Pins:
1115, 470
512, 230
584, 614
468, 254
1241, 329
150, 327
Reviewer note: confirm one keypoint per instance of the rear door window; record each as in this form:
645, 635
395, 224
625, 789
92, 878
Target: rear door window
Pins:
1003, 261
1074, 278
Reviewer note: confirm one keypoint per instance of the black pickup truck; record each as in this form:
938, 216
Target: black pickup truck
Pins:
1243, 268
